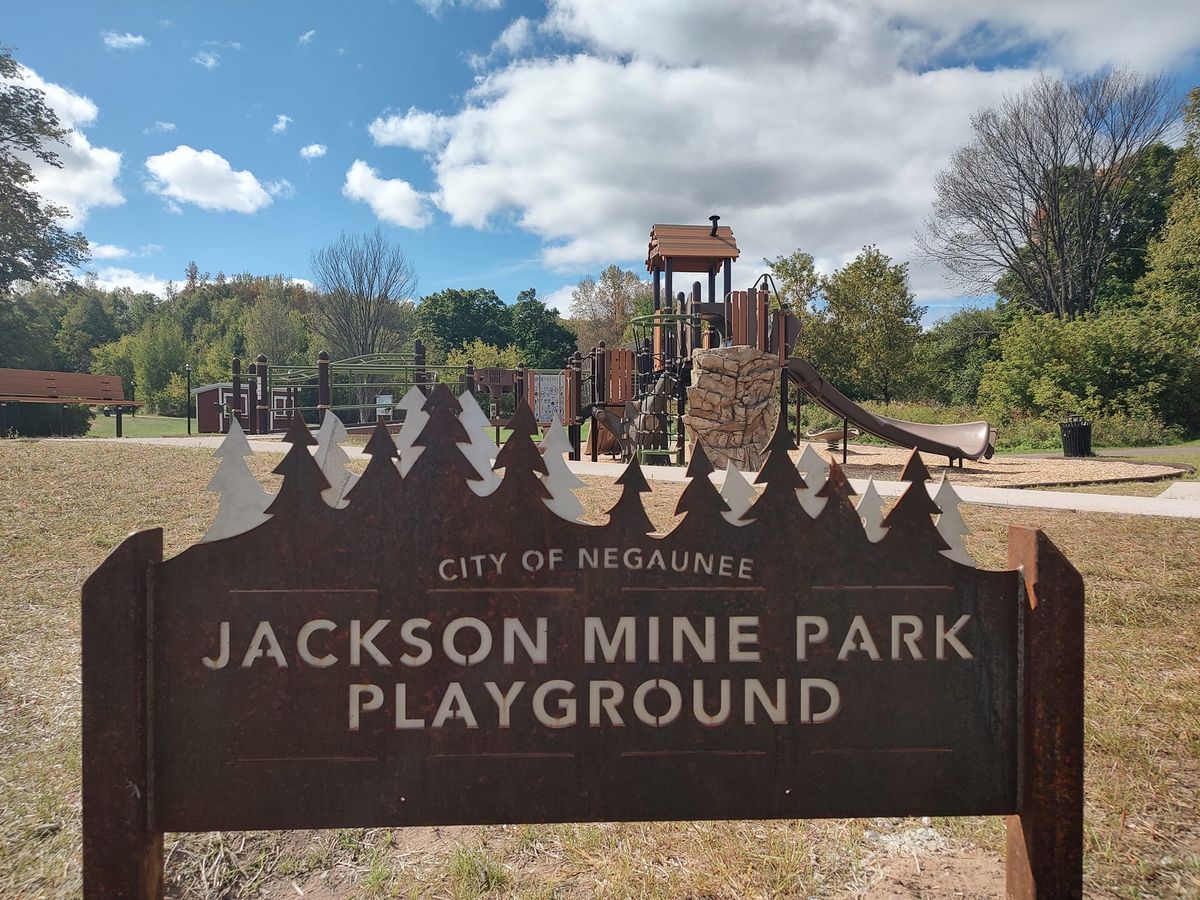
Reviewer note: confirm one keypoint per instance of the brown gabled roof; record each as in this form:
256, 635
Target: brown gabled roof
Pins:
691, 248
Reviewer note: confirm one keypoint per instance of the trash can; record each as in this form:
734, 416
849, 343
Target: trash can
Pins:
1076, 436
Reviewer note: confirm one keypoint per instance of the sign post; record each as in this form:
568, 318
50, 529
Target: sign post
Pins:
356, 666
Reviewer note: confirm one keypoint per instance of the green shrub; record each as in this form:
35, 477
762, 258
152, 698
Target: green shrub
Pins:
1131, 431
172, 400
44, 420
1130, 364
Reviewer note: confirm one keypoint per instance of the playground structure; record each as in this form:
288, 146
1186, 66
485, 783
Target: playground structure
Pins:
362, 390
634, 397
621, 381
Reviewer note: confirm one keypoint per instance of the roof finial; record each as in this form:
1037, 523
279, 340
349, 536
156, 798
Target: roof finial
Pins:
714, 220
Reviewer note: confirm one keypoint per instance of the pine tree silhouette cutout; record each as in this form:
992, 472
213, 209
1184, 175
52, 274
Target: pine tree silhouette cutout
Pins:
481, 450
909, 522
560, 481
838, 514
332, 459
839, 544
778, 502
815, 470
440, 464
700, 503
243, 501
628, 514
521, 461
381, 479
950, 524
870, 513
413, 406
303, 481
738, 494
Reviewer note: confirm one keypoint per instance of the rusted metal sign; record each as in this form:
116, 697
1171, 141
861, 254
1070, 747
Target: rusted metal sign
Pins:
421, 654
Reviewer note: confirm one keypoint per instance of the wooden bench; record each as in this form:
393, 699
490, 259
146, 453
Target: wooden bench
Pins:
65, 388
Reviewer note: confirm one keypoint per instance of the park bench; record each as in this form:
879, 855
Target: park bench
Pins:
65, 388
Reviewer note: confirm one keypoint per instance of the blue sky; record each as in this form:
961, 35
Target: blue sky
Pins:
509, 145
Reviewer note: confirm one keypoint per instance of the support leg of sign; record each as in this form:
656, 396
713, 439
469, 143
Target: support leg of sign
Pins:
1045, 839
122, 855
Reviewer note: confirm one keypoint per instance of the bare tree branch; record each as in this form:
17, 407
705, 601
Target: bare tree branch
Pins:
1041, 190
367, 286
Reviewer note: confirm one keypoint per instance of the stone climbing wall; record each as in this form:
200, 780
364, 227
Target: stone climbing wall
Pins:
733, 403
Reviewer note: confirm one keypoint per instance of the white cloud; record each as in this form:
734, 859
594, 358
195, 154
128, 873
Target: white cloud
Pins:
107, 251
115, 41
87, 176
313, 151
304, 283
415, 129
281, 123
159, 128
813, 125
281, 188
206, 179
112, 251
560, 300
207, 59
1083, 34
110, 277
435, 7
393, 200
516, 37
307, 37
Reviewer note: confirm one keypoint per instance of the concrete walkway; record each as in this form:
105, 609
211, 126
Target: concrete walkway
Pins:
1183, 506
985, 496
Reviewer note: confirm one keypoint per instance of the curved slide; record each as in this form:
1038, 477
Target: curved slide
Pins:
968, 440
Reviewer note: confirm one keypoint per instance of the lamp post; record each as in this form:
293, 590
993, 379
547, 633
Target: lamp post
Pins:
188, 369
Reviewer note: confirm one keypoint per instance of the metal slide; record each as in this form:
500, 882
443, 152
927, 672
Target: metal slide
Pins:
968, 440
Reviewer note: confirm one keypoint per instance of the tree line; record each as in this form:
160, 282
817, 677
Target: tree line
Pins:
206, 320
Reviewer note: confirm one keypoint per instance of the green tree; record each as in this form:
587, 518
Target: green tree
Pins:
33, 246
116, 358
485, 356
27, 330
1143, 216
172, 399
951, 355
1173, 270
539, 334
453, 317
85, 326
869, 311
1141, 363
797, 280
274, 328
157, 351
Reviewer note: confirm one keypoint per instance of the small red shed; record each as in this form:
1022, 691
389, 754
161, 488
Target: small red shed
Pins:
213, 400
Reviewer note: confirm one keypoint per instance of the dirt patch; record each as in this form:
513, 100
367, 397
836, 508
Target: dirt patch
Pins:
958, 875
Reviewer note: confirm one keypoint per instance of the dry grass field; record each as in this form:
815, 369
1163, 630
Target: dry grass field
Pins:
64, 505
